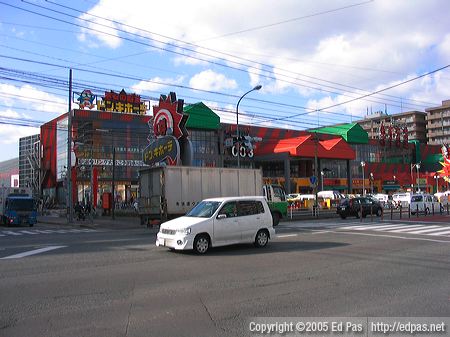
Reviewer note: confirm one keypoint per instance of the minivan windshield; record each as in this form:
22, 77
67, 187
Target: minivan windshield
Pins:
416, 198
204, 209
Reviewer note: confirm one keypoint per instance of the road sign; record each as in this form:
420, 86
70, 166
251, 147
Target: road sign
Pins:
313, 181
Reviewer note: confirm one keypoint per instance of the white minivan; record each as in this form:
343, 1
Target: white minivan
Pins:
219, 222
424, 203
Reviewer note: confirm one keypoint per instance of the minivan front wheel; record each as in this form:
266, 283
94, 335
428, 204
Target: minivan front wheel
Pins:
262, 238
201, 244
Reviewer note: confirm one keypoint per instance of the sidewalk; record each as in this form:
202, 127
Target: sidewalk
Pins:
121, 222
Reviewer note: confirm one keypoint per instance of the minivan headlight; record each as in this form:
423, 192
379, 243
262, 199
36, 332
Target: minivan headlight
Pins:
184, 231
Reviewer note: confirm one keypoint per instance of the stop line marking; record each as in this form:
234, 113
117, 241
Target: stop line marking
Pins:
32, 252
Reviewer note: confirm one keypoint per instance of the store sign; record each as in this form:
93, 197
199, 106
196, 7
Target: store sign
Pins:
393, 134
244, 146
169, 118
122, 102
169, 137
108, 162
164, 149
445, 171
86, 99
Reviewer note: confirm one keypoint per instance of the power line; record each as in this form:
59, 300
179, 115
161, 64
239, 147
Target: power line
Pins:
285, 21
375, 92
171, 51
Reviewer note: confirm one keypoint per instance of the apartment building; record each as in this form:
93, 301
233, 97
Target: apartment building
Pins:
414, 121
29, 163
438, 124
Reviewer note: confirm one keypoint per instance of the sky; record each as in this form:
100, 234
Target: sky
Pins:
319, 62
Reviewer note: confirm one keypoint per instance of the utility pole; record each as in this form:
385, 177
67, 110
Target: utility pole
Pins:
113, 181
69, 155
316, 164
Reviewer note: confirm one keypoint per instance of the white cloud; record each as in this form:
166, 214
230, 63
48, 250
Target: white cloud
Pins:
156, 84
210, 80
33, 98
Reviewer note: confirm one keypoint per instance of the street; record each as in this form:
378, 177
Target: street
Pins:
71, 281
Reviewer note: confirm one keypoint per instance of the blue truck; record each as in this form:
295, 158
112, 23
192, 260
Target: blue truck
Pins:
17, 206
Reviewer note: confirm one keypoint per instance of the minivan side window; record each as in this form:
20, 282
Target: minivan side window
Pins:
229, 209
250, 207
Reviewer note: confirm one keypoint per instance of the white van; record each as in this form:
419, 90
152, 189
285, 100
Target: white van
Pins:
403, 199
424, 203
329, 195
443, 197
219, 222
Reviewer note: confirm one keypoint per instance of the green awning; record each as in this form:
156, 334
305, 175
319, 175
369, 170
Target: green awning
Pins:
391, 187
201, 117
433, 158
352, 133
335, 187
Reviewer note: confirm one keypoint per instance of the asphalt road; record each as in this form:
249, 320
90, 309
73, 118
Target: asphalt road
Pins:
117, 283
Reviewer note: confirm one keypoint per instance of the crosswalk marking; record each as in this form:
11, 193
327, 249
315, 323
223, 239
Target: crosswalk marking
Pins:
447, 232
29, 232
434, 230
429, 229
408, 228
10, 233
46, 231
364, 227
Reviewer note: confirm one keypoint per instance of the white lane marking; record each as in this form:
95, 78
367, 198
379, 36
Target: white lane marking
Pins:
44, 231
286, 235
409, 228
2, 235
441, 233
376, 228
32, 252
10, 233
393, 237
28, 232
436, 228
364, 227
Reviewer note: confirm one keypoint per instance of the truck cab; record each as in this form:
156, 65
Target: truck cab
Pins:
19, 209
276, 199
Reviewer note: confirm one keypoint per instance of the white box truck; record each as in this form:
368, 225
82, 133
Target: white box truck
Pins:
167, 192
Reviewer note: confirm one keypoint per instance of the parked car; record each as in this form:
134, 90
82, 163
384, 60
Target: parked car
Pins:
219, 222
359, 206
293, 198
424, 203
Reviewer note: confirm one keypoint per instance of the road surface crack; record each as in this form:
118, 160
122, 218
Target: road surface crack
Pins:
210, 316
130, 309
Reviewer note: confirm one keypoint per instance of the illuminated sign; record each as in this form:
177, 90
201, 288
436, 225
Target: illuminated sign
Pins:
168, 135
122, 102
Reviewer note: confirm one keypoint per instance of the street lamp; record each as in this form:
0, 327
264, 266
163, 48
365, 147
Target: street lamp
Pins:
322, 174
417, 166
418, 177
363, 164
436, 177
237, 121
371, 182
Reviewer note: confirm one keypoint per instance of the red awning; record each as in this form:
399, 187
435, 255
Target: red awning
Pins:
305, 146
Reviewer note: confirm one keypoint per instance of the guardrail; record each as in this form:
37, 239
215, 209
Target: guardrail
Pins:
388, 212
